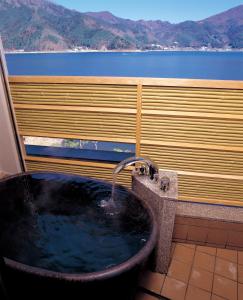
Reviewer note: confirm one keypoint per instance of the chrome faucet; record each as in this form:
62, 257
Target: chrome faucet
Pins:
148, 167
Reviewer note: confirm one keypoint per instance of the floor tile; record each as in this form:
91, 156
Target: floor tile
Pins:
196, 264
204, 261
240, 291
179, 270
226, 268
240, 273
194, 293
201, 279
227, 254
208, 250
143, 296
174, 289
152, 281
224, 287
184, 254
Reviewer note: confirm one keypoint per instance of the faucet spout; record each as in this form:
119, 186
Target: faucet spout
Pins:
151, 168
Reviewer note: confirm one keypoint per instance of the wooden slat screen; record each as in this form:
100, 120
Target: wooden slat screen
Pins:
81, 95
94, 170
103, 125
196, 160
211, 189
193, 99
189, 129
196, 130
194, 127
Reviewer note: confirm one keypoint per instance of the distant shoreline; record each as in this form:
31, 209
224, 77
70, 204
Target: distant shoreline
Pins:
123, 51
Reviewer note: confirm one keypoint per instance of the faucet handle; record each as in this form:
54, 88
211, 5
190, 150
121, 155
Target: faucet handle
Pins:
165, 184
153, 171
141, 170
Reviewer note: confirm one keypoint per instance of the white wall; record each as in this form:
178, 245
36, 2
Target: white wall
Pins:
9, 154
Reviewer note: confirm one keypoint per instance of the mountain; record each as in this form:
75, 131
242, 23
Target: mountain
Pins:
229, 26
226, 18
38, 25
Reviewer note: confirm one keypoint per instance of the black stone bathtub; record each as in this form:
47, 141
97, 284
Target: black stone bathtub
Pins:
58, 239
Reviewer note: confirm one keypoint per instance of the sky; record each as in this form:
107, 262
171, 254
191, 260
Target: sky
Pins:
174, 11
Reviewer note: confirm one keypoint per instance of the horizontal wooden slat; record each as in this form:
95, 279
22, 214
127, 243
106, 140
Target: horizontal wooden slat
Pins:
213, 190
192, 130
189, 114
219, 101
217, 84
196, 160
70, 162
93, 124
98, 171
83, 95
34, 107
211, 201
178, 145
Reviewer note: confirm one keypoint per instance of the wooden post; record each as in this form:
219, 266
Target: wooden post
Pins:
138, 119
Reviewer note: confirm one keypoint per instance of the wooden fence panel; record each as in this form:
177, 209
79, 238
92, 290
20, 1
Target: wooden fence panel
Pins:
196, 130
78, 95
194, 127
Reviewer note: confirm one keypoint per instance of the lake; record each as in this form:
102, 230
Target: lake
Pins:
163, 64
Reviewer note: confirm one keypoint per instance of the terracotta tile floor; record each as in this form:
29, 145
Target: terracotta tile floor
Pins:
196, 273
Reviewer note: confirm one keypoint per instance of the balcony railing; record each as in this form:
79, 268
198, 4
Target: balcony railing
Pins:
194, 127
